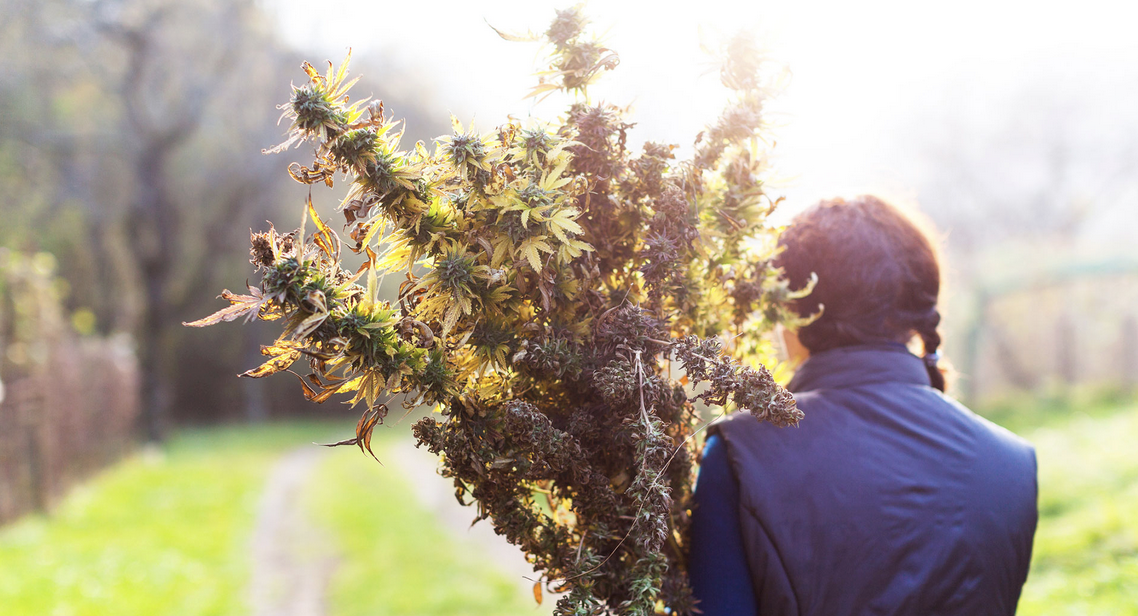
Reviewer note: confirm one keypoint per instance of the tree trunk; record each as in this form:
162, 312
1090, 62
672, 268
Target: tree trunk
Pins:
154, 229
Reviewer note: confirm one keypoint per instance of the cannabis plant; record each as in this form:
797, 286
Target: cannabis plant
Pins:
554, 285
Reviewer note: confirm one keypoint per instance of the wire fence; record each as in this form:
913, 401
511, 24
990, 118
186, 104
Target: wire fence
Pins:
68, 403
66, 420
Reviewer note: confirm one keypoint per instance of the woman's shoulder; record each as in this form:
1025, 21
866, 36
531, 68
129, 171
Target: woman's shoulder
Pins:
998, 434
891, 413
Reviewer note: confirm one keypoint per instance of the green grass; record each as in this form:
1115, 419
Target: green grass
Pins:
1086, 547
168, 532
395, 560
1024, 412
163, 532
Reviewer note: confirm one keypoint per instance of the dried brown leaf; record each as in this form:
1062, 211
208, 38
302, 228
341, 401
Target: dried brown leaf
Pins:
282, 356
368, 421
240, 306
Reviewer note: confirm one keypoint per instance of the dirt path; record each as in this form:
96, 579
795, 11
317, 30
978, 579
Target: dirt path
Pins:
436, 494
292, 557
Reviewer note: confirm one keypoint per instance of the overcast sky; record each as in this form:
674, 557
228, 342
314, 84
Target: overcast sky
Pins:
865, 75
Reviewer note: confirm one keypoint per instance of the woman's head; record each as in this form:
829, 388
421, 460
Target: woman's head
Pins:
878, 277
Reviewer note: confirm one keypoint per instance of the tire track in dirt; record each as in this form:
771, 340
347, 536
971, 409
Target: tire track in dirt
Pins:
436, 494
293, 558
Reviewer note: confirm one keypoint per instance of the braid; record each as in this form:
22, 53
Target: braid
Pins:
931, 339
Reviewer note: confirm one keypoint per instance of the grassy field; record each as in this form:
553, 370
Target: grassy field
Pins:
1086, 548
167, 532
163, 532
395, 561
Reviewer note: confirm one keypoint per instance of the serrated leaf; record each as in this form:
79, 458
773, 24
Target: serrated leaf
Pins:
501, 251
240, 305
552, 176
451, 318
542, 88
559, 183
566, 219
529, 252
528, 37
377, 225
282, 355
309, 325
340, 74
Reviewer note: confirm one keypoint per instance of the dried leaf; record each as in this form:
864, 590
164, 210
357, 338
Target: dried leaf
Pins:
240, 305
310, 71
283, 356
324, 237
543, 88
368, 421
306, 389
528, 37
347, 441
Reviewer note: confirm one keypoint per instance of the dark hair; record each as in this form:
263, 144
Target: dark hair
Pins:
878, 277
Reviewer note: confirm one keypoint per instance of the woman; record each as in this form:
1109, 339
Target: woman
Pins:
889, 497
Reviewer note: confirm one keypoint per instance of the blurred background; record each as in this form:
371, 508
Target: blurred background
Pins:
138, 475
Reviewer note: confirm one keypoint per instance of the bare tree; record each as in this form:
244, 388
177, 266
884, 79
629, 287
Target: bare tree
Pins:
1034, 161
131, 148
1024, 176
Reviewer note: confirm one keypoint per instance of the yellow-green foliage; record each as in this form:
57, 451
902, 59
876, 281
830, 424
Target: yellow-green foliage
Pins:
550, 278
30, 313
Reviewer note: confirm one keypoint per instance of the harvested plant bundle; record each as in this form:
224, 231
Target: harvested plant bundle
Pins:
550, 281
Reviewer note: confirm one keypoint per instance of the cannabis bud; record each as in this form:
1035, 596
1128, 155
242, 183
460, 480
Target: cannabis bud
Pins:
551, 279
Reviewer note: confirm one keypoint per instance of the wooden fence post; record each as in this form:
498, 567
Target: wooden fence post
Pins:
972, 342
37, 478
1129, 356
1065, 346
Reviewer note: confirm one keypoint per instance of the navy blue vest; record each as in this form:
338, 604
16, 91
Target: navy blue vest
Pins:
888, 498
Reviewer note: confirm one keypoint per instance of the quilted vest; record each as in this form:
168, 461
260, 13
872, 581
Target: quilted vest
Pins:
888, 498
